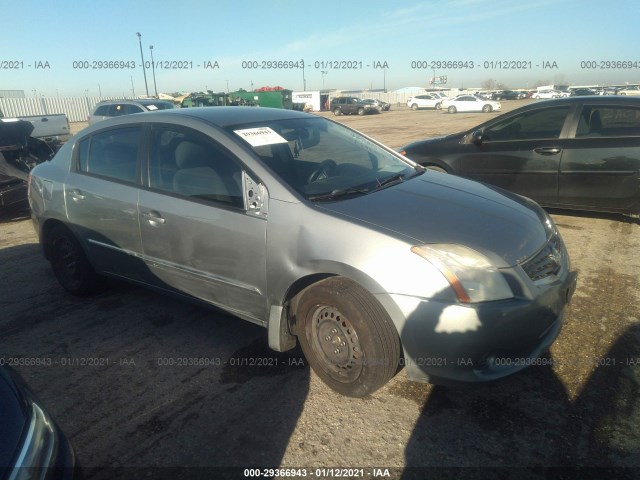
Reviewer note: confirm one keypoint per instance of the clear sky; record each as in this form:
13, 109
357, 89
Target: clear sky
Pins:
346, 39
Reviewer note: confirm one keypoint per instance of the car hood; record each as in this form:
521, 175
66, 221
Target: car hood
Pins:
434, 142
441, 208
13, 419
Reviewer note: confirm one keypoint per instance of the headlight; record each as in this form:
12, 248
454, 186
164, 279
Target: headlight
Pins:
39, 447
469, 273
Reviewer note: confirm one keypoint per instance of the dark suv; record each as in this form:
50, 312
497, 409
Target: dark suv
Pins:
507, 95
349, 105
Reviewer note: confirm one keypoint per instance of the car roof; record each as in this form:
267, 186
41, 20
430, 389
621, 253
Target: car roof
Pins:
141, 101
610, 99
219, 116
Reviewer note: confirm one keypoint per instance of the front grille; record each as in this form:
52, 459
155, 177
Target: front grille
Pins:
547, 262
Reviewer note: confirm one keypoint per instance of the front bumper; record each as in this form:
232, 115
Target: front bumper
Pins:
480, 342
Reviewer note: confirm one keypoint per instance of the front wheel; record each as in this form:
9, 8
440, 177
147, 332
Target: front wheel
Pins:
452, 109
487, 109
414, 106
347, 337
438, 106
361, 111
337, 112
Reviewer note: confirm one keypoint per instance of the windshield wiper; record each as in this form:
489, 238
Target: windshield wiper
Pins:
339, 192
393, 179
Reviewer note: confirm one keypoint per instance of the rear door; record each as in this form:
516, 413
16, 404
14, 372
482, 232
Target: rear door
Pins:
600, 166
520, 153
101, 196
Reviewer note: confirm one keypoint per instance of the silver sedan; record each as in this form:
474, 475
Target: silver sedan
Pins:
314, 231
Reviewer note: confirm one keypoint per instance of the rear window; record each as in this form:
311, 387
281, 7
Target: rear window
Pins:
102, 110
159, 106
112, 154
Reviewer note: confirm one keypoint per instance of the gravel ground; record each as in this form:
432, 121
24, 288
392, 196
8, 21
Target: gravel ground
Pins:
112, 371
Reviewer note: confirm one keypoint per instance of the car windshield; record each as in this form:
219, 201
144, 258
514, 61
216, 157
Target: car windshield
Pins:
159, 106
323, 160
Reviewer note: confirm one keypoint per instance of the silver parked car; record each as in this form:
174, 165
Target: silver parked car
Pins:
314, 231
115, 108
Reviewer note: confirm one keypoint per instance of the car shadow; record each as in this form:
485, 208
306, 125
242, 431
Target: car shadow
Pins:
145, 385
530, 420
617, 217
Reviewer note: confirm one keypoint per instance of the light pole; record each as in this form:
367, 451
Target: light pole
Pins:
304, 80
323, 72
384, 80
144, 71
153, 69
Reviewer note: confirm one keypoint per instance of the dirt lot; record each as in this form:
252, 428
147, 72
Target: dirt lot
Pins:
119, 373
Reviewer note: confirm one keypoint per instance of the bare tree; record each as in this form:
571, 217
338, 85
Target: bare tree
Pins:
489, 84
540, 83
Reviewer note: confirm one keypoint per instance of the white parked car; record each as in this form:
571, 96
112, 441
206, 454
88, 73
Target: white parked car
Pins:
549, 94
427, 100
470, 103
632, 90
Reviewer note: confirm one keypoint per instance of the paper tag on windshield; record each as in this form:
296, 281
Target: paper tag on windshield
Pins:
260, 136
151, 107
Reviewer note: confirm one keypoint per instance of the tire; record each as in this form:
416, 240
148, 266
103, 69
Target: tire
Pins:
414, 106
70, 264
438, 106
487, 108
452, 109
361, 111
347, 337
337, 112
435, 168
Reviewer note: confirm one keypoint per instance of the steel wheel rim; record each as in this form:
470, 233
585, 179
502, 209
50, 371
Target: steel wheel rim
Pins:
337, 344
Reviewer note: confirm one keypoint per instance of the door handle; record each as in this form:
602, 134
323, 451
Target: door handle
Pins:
76, 195
154, 218
547, 150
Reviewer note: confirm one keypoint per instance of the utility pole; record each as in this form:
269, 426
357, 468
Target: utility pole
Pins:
153, 69
144, 71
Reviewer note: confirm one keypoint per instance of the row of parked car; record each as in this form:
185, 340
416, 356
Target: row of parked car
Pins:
553, 93
354, 105
461, 103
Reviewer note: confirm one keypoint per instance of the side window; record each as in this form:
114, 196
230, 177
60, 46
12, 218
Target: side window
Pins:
128, 109
534, 124
102, 110
112, 154
609, 121
119, 109
186, 163
83, 154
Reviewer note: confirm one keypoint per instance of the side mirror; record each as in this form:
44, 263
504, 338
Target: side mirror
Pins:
476, 137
